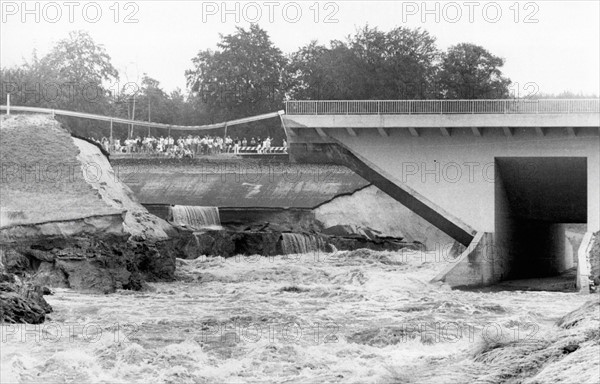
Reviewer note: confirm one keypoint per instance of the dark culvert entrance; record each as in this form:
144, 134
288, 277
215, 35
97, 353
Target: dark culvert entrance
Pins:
538, 201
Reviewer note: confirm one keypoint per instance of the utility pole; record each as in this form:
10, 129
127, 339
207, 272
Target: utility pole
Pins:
149, 109
111, 133
132, 118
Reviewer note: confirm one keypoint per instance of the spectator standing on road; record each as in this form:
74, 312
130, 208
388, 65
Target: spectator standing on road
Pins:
258, 144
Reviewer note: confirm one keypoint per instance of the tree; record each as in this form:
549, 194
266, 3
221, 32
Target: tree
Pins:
152, 102
320, 73
372, 64
399, 64
469, 71
84, 69
75, 75
32, 84
242, 78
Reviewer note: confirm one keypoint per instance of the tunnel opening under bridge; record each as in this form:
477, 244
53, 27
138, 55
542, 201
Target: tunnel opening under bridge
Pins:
537, 200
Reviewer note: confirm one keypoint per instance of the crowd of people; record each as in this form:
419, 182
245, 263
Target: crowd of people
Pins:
190, 146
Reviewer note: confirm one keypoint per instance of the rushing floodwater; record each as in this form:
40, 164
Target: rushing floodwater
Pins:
294, 243
195, 217
292, 319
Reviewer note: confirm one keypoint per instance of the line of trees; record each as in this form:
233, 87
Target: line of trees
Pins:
248, 75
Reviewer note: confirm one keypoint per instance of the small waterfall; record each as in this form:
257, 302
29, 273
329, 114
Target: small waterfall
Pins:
292, 243
195, 217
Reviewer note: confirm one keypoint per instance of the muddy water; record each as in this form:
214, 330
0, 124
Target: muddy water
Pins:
359, 317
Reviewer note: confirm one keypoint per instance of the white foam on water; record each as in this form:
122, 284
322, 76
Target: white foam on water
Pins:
366, 295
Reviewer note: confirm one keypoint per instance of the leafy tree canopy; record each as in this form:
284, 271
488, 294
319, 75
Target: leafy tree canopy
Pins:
371, 64
243, 77
469, 71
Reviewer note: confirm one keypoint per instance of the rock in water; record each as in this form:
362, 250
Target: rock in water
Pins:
21, 302
91, 264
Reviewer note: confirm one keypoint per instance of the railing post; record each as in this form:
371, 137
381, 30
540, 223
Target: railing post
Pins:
8, 104
111, 131
347, 107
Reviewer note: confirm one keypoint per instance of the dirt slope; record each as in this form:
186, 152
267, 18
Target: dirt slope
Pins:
42, 180
48, 176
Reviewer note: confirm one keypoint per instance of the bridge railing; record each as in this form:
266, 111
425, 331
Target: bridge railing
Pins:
137, 123
418, 107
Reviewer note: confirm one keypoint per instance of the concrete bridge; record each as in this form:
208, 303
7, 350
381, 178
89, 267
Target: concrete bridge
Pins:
500, 176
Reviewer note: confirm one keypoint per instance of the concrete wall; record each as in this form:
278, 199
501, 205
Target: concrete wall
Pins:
588, 260
505, 234
235, 183
475, 267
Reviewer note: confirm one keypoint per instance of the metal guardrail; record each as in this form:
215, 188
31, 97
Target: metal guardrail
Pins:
441, 107
137, 123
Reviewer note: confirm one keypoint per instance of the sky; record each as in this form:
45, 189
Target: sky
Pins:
548, 46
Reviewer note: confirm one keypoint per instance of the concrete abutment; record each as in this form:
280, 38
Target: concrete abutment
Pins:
524, 191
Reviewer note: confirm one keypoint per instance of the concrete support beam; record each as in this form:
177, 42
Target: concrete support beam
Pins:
539, 131
382, 132
320, 132
454, 227
445, 131
571, 132
508, 131
351, 132
413, 131
476, 131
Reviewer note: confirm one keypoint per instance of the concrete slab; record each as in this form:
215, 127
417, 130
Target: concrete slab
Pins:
241, 184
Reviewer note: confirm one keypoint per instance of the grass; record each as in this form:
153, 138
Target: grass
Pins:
548, 357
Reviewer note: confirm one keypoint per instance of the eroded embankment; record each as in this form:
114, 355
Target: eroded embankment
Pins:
67, 221
42, 178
